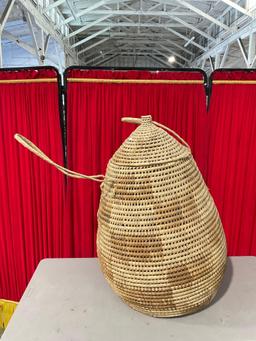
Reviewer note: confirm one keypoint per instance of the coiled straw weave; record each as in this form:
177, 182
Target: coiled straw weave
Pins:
160, 241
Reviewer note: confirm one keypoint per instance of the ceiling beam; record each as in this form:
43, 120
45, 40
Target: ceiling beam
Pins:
193, 28
106, 60
148, 35
251, 50
91, 24
154, 6
202, 14
237, 7
217, 61
124, 24
243, 32
144, 48
80, 42
38, 50
211, 63
72, 10
53, 5
203, 64
180, 47
46, 43
224, 58
90, 55
153, 42
134, 53
3, 18
85, 11
164, 55
100, 56
47, 26
223, 13
93, 45
158, 48
9, 36
102, 12
151, 36
173, 53
155, 59
243, 51
24, 46
186, 38
5, 14
159, 62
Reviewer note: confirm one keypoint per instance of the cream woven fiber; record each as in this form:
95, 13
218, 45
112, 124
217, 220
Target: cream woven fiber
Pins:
160, 240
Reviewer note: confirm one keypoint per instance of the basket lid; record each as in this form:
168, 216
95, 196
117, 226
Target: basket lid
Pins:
148, 145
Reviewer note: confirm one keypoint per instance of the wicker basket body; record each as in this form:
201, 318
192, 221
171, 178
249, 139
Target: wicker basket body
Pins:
160, 240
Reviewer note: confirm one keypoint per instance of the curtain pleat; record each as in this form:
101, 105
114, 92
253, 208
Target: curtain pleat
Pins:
44, 215
95, 106
32, 192
232, 158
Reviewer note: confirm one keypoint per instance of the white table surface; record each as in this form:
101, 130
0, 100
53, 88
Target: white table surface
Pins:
69, 300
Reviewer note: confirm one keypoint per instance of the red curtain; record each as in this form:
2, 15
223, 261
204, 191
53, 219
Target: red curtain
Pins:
94, 132
32, 192
232, 157
35, 220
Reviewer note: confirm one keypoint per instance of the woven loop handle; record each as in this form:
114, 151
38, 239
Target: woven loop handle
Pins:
99, 178
173, 133
140, 121
35, 150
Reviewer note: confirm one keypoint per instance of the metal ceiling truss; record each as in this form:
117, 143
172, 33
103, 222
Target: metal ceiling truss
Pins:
100, 56
132, 52
246, 32
3, 19
116, 12
158, 60
197, 33
142, 44
47, 24
106, 60
37, 20
5, 14
99, 42
38, 44
202, 14
127, 23
155, 56
238, 8
167, 43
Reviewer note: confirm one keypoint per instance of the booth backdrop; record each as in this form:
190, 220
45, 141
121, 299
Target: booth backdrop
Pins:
31, 191
232, 156
42, 214
96, 101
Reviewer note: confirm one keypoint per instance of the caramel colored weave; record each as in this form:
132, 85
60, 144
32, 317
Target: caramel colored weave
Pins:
160, 240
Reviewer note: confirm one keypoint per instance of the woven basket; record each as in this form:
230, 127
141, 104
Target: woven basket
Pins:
160, 240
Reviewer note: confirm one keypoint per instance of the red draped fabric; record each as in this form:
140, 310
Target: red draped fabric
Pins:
35, 220
232, 157
94, 130
32, 192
